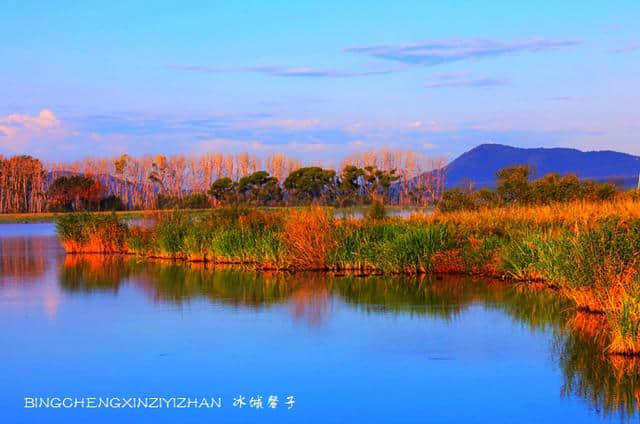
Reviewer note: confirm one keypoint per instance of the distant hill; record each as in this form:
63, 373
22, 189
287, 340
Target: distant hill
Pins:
480, 164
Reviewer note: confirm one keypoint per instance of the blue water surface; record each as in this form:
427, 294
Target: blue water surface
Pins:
347, 349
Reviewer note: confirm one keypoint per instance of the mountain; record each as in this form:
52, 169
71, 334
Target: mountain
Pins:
480, 164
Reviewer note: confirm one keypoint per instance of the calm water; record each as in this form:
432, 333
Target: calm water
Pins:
348, 349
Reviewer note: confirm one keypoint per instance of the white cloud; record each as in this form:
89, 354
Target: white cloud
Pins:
284, 71
19, 131
463, 79
289, 124
627, 48
231, 145
436, 52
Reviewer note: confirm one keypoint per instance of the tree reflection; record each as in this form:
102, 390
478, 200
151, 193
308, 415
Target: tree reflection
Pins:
24, 257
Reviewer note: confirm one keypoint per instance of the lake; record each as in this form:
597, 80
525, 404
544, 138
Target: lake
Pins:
333, 349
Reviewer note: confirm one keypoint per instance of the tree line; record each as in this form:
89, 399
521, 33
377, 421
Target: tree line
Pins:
211, 179
514, 186
200, 181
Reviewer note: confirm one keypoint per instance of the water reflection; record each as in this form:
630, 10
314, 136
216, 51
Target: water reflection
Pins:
23, 257
170, 282
610, 384
310, 292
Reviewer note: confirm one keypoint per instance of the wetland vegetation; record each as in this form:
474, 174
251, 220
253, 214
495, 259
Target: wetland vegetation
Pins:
587, 251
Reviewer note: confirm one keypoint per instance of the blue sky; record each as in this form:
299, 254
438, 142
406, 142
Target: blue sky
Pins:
316, 80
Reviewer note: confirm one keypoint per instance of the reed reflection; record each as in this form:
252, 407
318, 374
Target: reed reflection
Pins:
311, 293
611, 384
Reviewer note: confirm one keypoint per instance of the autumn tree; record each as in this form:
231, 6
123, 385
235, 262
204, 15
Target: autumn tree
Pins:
74, 193
22, 181
159, 172
120, 168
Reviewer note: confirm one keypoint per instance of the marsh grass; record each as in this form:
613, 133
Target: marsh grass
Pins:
622, 307
387, 247
171, 233
90, 233
309, 236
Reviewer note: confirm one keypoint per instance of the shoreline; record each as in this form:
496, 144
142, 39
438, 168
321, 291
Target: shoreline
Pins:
24, 218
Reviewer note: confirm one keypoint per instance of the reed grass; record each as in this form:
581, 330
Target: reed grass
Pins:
90, 233
309, 236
